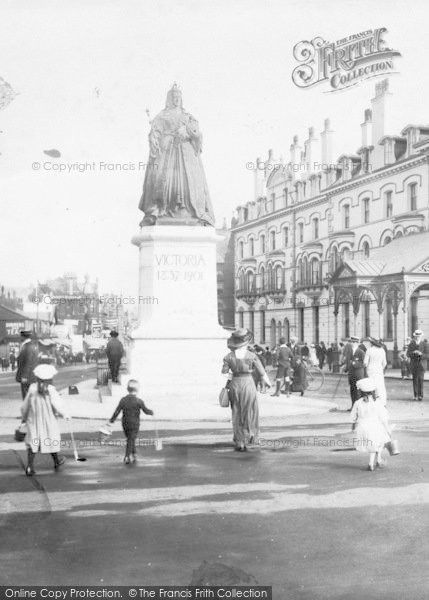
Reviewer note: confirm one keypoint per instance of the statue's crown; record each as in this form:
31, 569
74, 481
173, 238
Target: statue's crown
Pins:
175, 88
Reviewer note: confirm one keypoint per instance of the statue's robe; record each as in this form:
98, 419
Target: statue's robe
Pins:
175, 183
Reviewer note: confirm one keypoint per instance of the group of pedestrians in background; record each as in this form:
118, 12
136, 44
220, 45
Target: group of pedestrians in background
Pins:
369, 414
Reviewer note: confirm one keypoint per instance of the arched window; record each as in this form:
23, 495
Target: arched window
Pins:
365, 249
273, 202
298, 271
262, 244
315, 272
252, 246
305, 270
241, 249
240, 319
388, 204
285, 197
346, 216
366, 204
241, 280
412, 196
286, 237
279, 277
249, 281
387, 240
315, 228
272, 240
300, 233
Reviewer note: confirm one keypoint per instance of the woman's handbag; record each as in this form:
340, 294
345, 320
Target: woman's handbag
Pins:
392, 447
20, 432
224, 397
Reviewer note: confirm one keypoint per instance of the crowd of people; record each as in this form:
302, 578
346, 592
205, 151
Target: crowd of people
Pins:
246, 369
364, 362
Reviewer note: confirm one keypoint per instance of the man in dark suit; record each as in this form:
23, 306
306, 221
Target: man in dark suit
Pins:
27, 361
418, 353
284, 361
354, 366
114, 351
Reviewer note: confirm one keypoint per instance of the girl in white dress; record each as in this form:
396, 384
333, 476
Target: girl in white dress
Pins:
370, 423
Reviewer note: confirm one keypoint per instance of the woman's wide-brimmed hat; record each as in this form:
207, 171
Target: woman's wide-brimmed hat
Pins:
239, 338
45, 372
366, 384
374, 342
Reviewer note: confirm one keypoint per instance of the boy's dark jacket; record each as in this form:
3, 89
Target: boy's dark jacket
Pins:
130, 406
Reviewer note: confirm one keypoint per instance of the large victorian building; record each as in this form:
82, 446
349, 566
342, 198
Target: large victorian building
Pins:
329, 248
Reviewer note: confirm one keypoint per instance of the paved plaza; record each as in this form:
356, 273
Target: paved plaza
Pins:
299, 512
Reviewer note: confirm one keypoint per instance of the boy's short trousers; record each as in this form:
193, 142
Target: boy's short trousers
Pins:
283, 371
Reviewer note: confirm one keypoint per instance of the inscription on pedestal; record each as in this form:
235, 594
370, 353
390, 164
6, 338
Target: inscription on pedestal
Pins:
190, 261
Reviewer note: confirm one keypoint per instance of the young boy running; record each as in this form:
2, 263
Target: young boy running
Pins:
131, 405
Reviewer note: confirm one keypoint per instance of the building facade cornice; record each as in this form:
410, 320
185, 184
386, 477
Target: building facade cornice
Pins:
335, 190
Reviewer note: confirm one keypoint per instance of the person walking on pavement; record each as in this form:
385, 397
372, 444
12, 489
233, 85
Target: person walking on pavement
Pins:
330, 356
418, 353
370, 424
12, 359
242, 391
131, 405
284, 367
39, 411
375, 363
305, 351
114, 351
28, 358
355, 368
321, 354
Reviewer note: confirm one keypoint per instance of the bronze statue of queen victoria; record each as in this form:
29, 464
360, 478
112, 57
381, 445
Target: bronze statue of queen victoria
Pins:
175, 189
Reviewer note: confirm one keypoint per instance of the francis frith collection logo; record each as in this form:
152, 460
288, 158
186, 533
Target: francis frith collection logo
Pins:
344, 63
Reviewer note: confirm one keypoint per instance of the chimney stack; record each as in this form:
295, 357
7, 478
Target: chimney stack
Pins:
312, 152
381, 120
259, 178
295, 157
327, 143
366, 127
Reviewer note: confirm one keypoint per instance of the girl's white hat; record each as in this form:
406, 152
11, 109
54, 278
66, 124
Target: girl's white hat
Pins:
366, 385
45, 372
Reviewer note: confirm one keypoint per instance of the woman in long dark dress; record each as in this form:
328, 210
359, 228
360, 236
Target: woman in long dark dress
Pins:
242, 390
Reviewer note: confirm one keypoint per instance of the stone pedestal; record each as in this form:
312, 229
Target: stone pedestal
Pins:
178, 347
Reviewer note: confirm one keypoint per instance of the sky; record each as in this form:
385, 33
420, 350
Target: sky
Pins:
85, 72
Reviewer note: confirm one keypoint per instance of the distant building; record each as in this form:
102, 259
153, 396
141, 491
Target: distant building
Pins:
114, 313
329, 248
74, 304
10, 299
11, 324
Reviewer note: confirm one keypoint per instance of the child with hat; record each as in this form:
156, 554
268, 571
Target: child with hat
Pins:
370, 423
131, 405
40, 409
